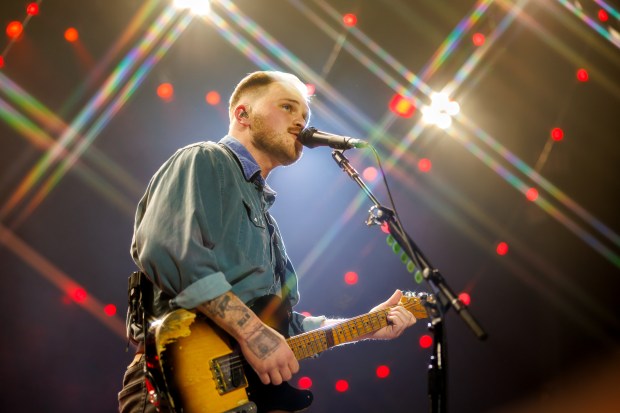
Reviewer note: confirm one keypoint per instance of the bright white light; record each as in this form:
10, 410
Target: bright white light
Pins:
440, 111
200, 7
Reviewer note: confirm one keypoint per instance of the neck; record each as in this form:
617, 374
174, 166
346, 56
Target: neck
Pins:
264, 161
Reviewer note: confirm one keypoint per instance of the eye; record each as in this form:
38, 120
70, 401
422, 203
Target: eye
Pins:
287, 107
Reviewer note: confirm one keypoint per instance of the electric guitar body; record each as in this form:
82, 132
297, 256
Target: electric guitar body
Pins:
193, 366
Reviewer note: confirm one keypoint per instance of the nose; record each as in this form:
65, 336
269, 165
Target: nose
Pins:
300, 122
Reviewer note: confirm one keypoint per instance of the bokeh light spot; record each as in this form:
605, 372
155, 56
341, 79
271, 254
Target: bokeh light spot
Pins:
557, 134
531, 194
304, 383
370, 173
32, 9
401, 106
465, 298
383, 371
425, 165
71, 35
351, 278
502, 248
310, 89
603, 15
426, 341
79, 295
213, 98
478, 39
165, 91
14, 29
109, 310
349, 19
342, 386
582, 75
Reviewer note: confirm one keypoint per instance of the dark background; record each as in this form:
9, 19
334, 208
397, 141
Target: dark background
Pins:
549, 305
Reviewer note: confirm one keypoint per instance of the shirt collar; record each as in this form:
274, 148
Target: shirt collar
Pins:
249, 166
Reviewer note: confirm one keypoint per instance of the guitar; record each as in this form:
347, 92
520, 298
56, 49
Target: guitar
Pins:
193, 366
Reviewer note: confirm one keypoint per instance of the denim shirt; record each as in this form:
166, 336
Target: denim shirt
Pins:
203, 228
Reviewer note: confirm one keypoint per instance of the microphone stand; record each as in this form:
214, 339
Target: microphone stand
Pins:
445, 297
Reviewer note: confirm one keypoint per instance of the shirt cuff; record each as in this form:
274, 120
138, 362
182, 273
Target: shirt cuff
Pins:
205, 289
312, 323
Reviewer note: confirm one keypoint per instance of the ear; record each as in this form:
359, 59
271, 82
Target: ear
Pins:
241, 115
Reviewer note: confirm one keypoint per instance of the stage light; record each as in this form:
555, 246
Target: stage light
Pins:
165, 91
465, 298
109, 310
502, 248
310, 89
385, 228
557, 134
349, 19
71, 35
440, 111
531, 194
213, 98
426, 341
14, 29
401, 106
582, 75
200, 7
370, 173
424, 165
1, 62
478, 39
603, 16
304, 383
79, 295
382, 372
306, 313
342, 386
32, 9
351, 278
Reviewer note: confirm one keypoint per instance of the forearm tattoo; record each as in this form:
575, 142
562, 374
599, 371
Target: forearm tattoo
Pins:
222, 306
263, 342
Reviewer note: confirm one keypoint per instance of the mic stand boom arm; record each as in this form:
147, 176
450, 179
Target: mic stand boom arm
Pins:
445, 296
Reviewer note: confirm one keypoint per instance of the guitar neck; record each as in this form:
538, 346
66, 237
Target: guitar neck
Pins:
314, 342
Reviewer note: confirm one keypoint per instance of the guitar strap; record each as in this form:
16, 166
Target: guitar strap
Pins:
140, 297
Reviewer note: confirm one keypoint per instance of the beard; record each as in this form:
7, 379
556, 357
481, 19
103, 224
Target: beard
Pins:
279, 145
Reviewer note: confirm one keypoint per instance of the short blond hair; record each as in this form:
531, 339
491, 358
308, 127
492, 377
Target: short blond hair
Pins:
257, 80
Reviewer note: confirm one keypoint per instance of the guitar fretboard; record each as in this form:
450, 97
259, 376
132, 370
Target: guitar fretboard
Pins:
314, 342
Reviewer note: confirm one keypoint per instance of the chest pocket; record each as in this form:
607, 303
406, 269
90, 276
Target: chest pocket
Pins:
255, 215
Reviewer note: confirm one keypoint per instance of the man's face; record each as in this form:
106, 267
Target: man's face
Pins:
278, 115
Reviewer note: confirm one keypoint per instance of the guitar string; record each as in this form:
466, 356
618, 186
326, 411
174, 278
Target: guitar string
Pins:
235, 361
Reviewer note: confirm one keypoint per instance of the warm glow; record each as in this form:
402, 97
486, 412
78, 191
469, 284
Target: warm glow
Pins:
304, 383
14, 29
349, 19
32, 9
1, 62
401, 106
478, 39
71, 35
213, 98
465, 298
165, 91
342, 386
424, 165
79, 295
557, 134
531, 194
502, 248
351, 278
200, 7
426, 341
110, 310
310, 89
383, 372
370, 173
582, 75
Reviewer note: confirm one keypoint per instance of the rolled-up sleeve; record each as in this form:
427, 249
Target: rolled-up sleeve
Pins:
176, 225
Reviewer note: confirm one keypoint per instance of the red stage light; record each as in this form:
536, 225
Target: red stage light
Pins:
311, 89
71, 35
165, 91
213, 98
14, 29
424, 165
465, 298
383, 372
351, 278
426, 341
79, 295
32, 9
531, 194
385, 228
1, 62
602, 15
401, 106
582, 75
349, 19
109, 309
478, 39
502, 248
370, 173
304, 383
557, 134
306, 313
342, 386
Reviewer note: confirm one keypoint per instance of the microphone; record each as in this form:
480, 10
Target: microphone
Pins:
311, 137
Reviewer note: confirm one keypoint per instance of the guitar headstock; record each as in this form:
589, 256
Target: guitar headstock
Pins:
416, 303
